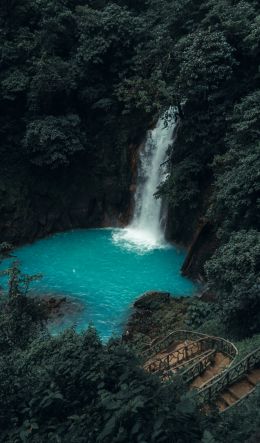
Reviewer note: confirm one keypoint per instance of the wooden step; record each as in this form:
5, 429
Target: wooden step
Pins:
197, 383
220, 363
232, 393
250, 381
228, 397
211, 372
241, 387
221, 360
254, 376
238, 390
203, 378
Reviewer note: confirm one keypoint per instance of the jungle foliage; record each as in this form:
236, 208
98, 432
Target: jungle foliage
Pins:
62, 64
72, 388
79, 80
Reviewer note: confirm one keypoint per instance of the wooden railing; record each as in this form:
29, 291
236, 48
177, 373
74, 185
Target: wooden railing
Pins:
234, 373
218, 343
193, 361
198, 367
161, 343
179, 355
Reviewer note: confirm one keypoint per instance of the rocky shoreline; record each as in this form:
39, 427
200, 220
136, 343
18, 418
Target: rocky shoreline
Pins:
58, 308
155, 313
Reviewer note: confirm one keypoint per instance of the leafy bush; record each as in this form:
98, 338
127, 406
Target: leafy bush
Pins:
199, 312
237, 190
52, 140
74, 389
21, 318
233, 272
248, 345
205, 62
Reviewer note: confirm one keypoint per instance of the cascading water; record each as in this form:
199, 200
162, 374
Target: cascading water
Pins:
146, 230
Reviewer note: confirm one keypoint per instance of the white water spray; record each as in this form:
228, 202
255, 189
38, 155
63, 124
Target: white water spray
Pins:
146, 231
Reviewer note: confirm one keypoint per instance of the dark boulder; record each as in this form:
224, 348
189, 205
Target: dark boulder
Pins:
58, 307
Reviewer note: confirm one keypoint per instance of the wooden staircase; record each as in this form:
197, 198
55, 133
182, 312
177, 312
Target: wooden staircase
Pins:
235, 392
205, 364
233, 385
200, 356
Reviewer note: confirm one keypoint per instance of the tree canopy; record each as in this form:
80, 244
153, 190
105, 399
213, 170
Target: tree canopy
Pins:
80, 83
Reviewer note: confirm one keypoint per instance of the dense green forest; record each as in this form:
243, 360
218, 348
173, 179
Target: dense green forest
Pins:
80, 83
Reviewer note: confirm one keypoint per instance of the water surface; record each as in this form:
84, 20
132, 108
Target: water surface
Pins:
102, 272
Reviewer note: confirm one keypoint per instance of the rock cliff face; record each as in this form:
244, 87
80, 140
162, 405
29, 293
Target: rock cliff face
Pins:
35, 203
197, 235
201, 249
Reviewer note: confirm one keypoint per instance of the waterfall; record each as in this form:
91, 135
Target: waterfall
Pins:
147, 227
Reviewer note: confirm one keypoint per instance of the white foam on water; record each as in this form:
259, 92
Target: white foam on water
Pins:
138, 239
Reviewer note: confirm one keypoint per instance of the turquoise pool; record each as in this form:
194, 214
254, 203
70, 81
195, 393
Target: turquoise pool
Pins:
103, 272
